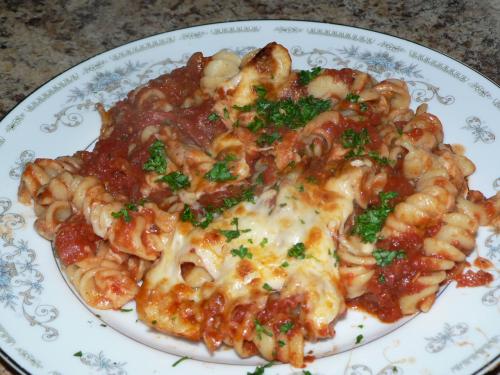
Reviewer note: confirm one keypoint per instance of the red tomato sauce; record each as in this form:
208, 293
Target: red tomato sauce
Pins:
75, 240
391, 282
471, 278
121, 168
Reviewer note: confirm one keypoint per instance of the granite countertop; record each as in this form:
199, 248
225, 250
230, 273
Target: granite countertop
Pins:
39, 39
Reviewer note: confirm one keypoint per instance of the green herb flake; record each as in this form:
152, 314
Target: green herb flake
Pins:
264, 242
157, 161
267, 287
180, 360
305, 372
306, 76
187, 214
302, 221
241, 252
78, 354
226, 113
255, 125
261, 91
213, 116
312, 180
355, 141
154, 322
259, 370
260, 329
382, 160
363, 107
336, 257
285, 264
297, 251
260, 179
300, 188
123, 213
176, 180
370, 222
126, 310
266, 139
281, 343
360, 326
386, 257
353, 98
230, 234
219, 173
381, 279
359, 338
285, 327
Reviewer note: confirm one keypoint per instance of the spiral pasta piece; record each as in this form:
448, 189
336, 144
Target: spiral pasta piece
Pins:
107, 280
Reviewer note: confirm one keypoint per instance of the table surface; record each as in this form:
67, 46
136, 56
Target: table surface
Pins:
39, 40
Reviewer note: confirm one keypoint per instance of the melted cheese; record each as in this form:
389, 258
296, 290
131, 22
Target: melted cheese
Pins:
277, 221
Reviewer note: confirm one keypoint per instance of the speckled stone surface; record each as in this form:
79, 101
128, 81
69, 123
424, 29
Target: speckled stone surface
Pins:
39, 39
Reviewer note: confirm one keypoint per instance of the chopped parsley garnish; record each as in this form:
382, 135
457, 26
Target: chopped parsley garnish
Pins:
231, 234
285, 327
380, 159
124, 212
188, 215
266, 139
241, 252
336, 257
281, 343
355, 141
226, 113
284, 112
260, 179
243, 108
264, 242
305, 372
180, 360
312, 180
369, 223
259, 370
255, 125
297, 251
381, 279
306, 76
78, 354
219, 172
261, 91
260, 329
386, 257
285, 264
363, 107
246, 196
176, 180
353, 98
157, 161
300, 188
359, 338
213, 116
267, 287
126, 310
360, 326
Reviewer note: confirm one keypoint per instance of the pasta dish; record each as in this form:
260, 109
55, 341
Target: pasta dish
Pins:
243, 203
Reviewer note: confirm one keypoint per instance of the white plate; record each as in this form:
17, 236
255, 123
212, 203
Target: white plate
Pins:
42, 322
